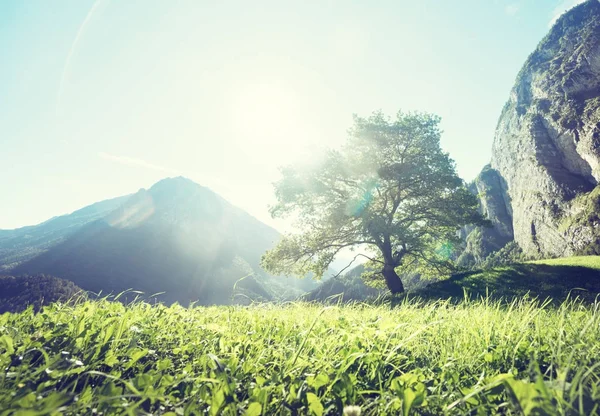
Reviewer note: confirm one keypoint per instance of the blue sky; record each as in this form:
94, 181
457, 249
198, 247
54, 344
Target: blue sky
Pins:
103, 97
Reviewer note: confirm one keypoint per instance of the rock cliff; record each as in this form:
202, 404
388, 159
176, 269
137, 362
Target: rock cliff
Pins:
494, 204
545, 167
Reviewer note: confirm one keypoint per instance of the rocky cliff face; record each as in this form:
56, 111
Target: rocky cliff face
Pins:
494, 204
546, 149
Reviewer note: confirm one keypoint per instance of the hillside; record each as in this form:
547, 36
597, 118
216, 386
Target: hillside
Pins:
556, 279
18, 293
176, 237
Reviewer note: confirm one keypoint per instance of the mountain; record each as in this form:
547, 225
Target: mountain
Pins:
541, 188
176, 237
22, 244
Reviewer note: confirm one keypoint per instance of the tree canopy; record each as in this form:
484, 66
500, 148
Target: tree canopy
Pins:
390, 192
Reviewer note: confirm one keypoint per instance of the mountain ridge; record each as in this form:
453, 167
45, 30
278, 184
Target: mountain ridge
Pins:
23, 243
176, 237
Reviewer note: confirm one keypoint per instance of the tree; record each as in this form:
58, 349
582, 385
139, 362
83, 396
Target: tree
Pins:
390, 192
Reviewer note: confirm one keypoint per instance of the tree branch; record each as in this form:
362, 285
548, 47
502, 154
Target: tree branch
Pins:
352, 261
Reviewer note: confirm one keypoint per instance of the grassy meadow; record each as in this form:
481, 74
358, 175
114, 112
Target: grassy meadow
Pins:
472, 357
521, 339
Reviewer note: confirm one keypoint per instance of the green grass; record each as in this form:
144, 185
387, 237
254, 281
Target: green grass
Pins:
556, 279
592, 262
473, 357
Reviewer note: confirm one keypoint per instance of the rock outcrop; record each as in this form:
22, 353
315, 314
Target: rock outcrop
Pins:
546, 151
494, 204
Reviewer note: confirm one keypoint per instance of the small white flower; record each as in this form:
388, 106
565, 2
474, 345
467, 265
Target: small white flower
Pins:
352, 411
134, 328
76, 362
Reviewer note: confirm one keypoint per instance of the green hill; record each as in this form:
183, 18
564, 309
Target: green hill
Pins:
554, 278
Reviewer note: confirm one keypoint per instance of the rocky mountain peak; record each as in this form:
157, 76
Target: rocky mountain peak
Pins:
546, 151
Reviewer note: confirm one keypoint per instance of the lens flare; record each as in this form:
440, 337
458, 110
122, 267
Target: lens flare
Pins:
445, 250
355, 207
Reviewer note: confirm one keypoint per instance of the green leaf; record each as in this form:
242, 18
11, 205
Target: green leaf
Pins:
319, 381
86, 396
27, 401
108, 332
255, 409
314, 404
135, 356
110, 389
164, 364
25, 413
7, 343
111, 360
412, 398
408, 396
217, 401
54, 401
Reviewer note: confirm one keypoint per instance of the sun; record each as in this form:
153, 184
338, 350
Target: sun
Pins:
273, 123
266, 112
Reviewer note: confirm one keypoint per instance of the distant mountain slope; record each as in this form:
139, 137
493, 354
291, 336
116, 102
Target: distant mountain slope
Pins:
22, 244
18, 293
351, 287
345, 288
176, 237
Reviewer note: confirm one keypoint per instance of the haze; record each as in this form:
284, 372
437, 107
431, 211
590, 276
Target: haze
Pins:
104, 97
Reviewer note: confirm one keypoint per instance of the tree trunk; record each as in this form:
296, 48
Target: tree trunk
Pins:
392, 279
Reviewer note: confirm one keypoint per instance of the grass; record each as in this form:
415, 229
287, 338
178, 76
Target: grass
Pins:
495, 344
472, 357
556, 279
591, 262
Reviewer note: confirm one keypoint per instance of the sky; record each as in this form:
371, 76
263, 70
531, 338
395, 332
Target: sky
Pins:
100, 98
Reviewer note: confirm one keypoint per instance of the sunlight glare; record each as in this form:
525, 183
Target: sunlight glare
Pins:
267, 116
